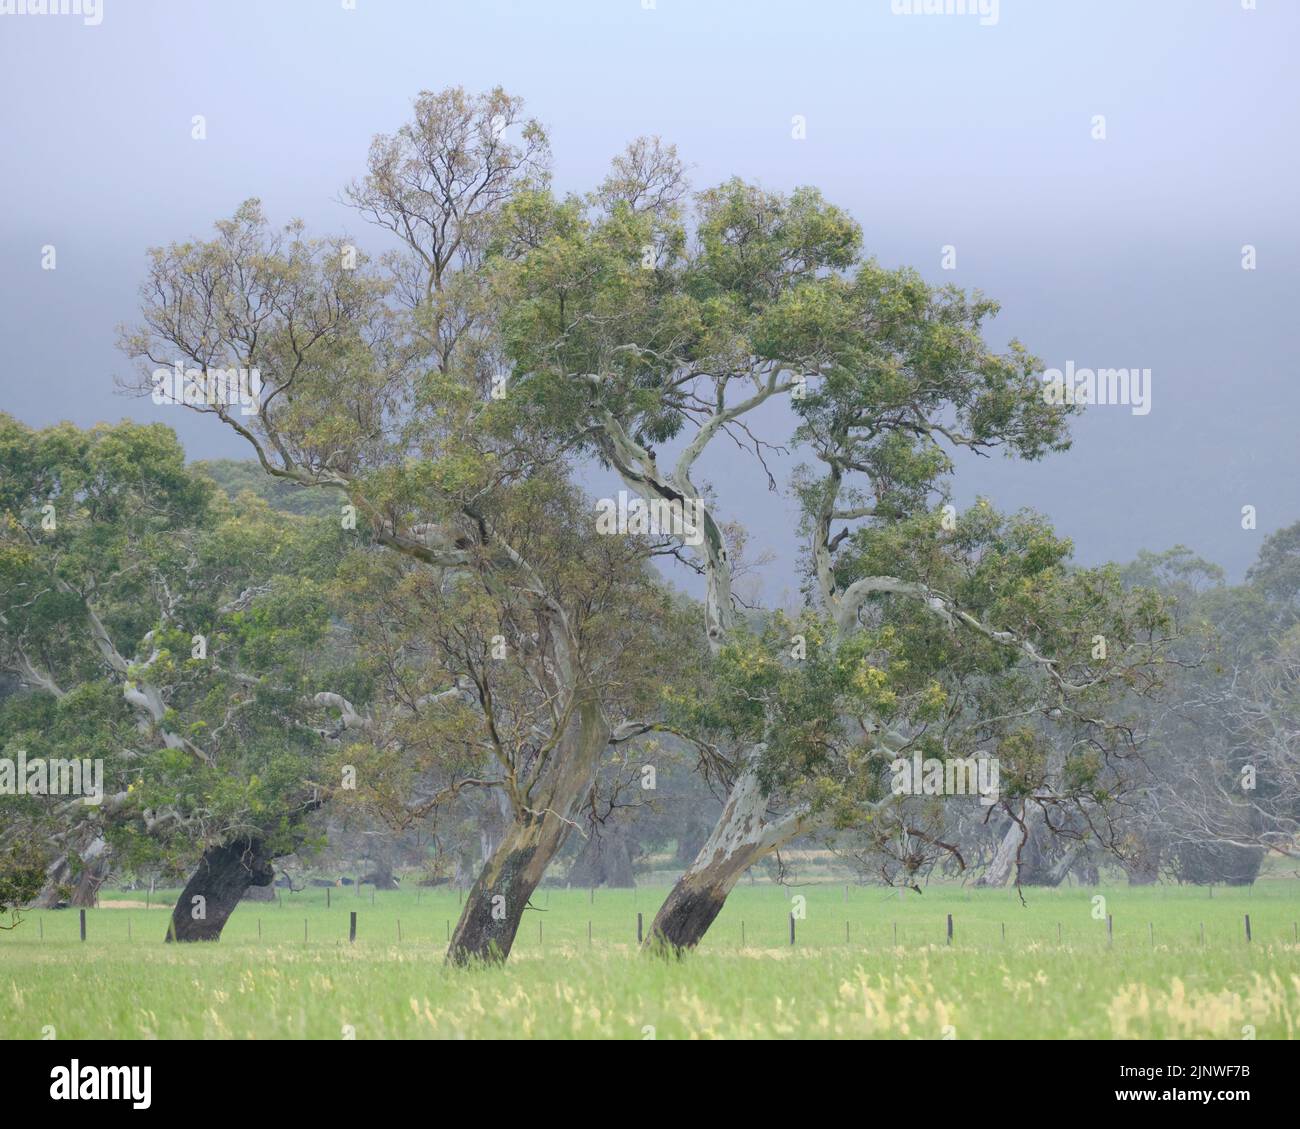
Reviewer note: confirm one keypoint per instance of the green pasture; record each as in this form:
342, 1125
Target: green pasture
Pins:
865, 963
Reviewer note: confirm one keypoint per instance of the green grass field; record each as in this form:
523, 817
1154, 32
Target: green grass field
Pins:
124, 983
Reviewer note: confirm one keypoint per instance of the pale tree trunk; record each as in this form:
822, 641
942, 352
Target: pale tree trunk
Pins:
1003, 865
82, 889
56, 875
497, 900
740, 838
1033, 817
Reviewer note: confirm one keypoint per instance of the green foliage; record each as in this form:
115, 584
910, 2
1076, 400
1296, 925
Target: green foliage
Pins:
165, 630
21, 877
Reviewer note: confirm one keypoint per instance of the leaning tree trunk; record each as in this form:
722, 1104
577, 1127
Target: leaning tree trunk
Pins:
223, 875
739, 840
67, 884
497, 900
1018, 835
1007, 859
1003, 863
52, 894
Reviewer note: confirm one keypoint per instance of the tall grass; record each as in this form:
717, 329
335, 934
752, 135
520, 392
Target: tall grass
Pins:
1156, 978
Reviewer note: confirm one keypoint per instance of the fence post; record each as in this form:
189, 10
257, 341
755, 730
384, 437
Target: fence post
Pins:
950, 929
1247, 928
638, 928
83, 924
352, 926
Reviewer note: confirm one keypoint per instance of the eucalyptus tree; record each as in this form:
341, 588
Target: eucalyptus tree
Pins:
382, 381
463, 705
166, 640
647, 330
1227, 757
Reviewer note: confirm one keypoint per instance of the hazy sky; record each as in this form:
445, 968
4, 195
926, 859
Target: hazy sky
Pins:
932, 130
